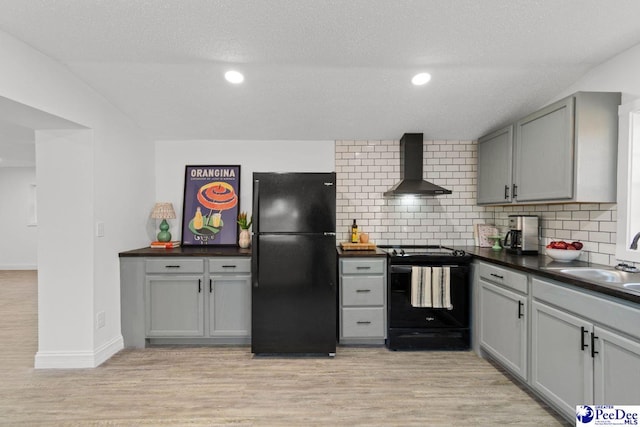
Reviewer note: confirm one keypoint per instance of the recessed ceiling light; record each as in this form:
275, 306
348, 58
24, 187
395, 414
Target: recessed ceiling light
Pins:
421, 79
234, 77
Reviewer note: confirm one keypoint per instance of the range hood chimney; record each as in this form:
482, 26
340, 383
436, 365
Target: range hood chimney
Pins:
411, 182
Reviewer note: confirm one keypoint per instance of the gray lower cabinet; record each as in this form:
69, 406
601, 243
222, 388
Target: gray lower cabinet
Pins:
185, 300
362, 300
230, 297
503, 318
585, 349
174, 298
174, 306
562, 370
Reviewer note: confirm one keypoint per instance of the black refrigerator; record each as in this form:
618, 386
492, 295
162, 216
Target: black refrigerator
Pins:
293, 271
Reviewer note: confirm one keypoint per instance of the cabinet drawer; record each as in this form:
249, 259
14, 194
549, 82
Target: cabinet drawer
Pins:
230, 265
363, 290
362, 322
503, 276
174, 265
362, 266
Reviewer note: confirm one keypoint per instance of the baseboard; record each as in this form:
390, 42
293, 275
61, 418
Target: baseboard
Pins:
18, 267
78, 359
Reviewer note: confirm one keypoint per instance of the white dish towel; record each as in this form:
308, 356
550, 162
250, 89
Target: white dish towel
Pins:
430, 287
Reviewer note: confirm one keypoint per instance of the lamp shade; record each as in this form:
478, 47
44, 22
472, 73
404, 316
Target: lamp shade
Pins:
163, 210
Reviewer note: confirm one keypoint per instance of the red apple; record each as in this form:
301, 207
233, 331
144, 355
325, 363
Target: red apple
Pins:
561, 245
578, 245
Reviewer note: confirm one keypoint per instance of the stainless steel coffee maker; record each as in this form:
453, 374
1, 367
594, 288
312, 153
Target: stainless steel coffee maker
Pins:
523, 236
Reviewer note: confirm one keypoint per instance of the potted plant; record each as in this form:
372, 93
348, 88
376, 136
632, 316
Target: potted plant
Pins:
244, 240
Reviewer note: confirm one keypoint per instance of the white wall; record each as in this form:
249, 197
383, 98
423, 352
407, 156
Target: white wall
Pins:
252, 156
594, 224
119, 172
619, 74
18, 249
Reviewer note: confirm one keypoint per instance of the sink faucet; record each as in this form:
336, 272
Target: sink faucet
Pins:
634, 243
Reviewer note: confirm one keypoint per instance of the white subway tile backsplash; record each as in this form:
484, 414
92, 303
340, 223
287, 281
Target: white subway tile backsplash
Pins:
366, 169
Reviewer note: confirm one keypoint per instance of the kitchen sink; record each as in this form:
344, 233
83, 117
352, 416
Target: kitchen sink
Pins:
597, 274
632, 286
609, 277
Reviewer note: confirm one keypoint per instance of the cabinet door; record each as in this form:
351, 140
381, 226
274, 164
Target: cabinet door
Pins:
616, 369
561, 363
503, 327
230, 306
544, 154
174, 306
495, 156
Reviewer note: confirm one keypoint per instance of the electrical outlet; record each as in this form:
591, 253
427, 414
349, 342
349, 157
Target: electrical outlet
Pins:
99, 229
100, 320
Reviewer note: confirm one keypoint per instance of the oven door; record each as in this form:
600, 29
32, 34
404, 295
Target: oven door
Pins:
403, 315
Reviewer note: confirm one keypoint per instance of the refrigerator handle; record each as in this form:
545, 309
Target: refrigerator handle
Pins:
256, 206
254, 261
256, 230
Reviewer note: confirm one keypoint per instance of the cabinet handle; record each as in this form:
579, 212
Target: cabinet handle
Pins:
363, 290
515, 191
199, 285
228, 266
364, 322
171, 266
593, 345
582, 344
210, 285
506, 192
520, 307
363, 268
497, 275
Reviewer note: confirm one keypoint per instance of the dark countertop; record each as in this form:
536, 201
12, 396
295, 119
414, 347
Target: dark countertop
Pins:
540, 264
188, 251
534, 264
372, 253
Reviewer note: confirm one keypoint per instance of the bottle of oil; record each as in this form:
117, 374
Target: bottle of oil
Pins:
354, 232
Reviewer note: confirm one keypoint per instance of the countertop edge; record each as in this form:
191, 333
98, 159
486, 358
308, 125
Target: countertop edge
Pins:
538, 264
188, 251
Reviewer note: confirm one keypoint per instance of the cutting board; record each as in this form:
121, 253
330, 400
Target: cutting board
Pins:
348, 246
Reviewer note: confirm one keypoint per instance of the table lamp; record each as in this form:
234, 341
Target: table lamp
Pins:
163, 211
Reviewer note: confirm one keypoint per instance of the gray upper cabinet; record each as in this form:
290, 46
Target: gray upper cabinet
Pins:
543, 154
565, 152
494, 166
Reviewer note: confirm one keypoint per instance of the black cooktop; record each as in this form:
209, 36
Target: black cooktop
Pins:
424, 253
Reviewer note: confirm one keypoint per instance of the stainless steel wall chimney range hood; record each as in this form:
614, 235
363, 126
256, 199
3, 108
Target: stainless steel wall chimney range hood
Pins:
411, 182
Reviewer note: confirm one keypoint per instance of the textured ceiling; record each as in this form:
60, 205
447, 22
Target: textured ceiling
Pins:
325, 69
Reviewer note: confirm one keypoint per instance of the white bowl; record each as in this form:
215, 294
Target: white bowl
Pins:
563, 255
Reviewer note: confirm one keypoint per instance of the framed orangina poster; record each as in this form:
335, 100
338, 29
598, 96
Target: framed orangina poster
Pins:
211, 205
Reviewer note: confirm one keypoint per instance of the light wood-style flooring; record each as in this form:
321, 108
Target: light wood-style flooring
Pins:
206, 386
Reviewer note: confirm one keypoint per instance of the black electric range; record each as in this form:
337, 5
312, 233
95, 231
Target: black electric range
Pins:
431, 326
